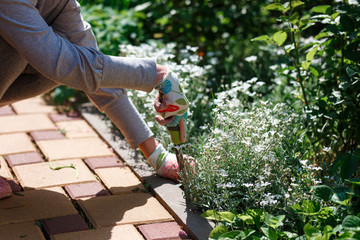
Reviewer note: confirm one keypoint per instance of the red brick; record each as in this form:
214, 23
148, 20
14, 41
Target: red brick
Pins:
163, 231
92, 189
104, 162
65, 224
57, 117
7, 110
24, 158
46, 135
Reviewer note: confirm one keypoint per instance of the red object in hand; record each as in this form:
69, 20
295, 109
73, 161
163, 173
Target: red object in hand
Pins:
170, 108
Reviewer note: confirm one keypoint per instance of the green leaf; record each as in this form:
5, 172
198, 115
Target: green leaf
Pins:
211, 215
294, 4
351, 223
309, 57
338, 162
233, 235
275, 7
227, 216
333, 28
325, 9
346, 23
279, 37
348, 168
352, 70
249, 220
311, 232
269, 232
355, 181
181, 101
322, 192
218, 231
265, 38
314, 71
341, 198
273, 221
307, 207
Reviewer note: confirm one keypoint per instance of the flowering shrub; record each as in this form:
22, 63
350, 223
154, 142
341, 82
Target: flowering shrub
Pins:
251, 158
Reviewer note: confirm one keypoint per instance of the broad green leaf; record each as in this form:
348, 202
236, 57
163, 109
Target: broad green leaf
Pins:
351, 223
341, 198
218, 231
347, 24
275, 7
348, 168
314, 71
334, 15
290, 235
211, 215
246, 218
311, 232
227, 216
279, 37
181, 101
307, 207
294, 4
322, 192
338, 162
352, 70
322, 35
269, 232
273, 221
355, 181
325, 9
333, 28
265, 38
233, 235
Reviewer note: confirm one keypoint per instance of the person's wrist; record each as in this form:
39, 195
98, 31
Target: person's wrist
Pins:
161, 72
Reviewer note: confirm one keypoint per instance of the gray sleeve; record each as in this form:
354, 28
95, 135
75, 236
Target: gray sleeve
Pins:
84, 68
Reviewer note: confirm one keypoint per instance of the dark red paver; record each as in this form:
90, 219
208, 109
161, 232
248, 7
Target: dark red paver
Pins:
7, 110
103, 162
163, 231
24, 158
59, 117
14, 185
65, 224
46, 135
92, 189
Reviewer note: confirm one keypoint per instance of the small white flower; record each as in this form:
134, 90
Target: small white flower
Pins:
326, 149
251, 59
248, 185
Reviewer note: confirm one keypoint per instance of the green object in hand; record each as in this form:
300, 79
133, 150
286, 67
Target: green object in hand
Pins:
175, 134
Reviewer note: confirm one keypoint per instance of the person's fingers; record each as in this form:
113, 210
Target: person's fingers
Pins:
182, 130
162, 121
160, 104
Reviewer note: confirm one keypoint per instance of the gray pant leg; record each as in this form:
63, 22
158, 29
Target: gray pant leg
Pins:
122, 112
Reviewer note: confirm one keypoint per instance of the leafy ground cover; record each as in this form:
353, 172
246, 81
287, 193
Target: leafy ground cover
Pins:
274, 120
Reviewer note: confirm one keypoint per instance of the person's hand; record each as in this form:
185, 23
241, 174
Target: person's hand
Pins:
5, 189
171, 103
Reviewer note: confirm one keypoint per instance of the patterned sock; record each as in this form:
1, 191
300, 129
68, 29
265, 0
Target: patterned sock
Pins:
164, 163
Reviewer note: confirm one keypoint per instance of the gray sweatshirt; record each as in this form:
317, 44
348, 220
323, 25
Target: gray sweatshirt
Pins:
53, 38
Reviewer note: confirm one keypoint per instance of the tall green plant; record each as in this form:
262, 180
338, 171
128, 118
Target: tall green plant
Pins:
323, 48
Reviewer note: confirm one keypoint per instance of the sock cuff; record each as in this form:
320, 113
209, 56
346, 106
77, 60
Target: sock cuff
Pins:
157, 158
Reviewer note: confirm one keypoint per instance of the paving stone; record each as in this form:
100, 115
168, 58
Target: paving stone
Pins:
92, 189
64, 224
15, 143
104, 162
4, 170
7, 110
74, 148
26, 230
126, 232
33, 105
47, 135
59, 117
14, 184
35, 205
119, 180
24, 158
40, 175
163, 231
133, 208
25, 123
76, 129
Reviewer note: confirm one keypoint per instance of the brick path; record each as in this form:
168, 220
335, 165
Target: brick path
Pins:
68, 184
